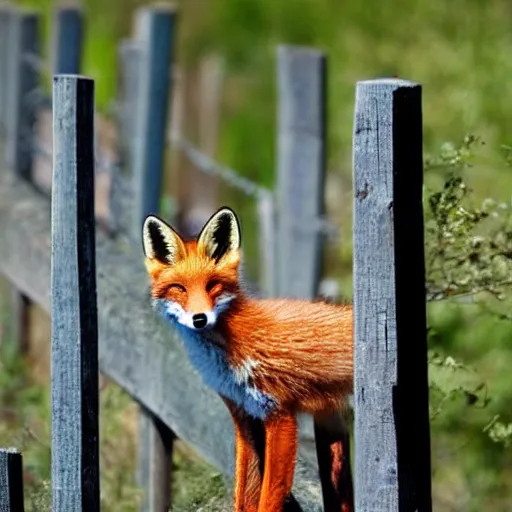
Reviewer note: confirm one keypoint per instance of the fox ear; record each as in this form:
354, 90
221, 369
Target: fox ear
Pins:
161, 242
220, 235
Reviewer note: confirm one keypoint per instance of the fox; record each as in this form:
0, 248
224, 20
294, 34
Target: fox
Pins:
268, 359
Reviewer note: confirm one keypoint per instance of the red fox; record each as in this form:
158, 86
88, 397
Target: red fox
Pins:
268, 359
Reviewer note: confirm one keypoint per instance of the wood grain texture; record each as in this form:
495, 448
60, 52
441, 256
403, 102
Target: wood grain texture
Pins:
11, 481
74, 379
392, 444
300, 169
136, 349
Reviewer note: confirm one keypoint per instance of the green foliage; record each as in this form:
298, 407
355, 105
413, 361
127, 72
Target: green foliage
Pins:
468, 268
469, 246
444, 45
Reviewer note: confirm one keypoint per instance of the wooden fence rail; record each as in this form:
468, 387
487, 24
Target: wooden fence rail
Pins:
136, 350
49, 252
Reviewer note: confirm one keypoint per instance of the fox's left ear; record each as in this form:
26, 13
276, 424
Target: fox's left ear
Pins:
220, 235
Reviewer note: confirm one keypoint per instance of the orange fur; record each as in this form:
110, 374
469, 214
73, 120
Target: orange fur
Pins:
299, 352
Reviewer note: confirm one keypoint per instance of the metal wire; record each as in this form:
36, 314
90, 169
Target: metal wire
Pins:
37, 98
207, 165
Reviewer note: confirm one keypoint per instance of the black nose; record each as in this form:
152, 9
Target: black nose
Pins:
199, 320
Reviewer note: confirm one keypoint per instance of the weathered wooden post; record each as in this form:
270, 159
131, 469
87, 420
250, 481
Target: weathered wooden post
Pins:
302, 103
22, 80
10, 38
129, 58
11, 481
68, 37
266, 209
6, 13
301, 169
392, 440
155, 32
75, 447
121, 184
18, 113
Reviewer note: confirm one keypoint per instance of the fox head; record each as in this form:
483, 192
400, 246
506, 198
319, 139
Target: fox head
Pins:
194, 281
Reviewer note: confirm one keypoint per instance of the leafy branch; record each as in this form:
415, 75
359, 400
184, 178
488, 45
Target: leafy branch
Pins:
468, 259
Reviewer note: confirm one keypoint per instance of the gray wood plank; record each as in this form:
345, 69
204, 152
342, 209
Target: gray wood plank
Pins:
74, 376
301, 168
136, 349
11, 481
392, 444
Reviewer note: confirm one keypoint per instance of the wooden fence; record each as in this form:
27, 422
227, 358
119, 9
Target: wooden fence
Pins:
64, 252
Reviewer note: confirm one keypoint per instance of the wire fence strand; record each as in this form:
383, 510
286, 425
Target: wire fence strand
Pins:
205, 164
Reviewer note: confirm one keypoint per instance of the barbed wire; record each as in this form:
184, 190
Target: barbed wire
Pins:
37, 99
36, 62
205, 164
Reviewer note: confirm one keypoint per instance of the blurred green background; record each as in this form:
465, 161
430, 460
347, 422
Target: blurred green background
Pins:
461, 52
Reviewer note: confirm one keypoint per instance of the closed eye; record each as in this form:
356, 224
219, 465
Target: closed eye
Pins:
211, 285
176, 286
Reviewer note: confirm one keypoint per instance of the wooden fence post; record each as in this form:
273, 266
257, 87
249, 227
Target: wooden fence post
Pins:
10, 80
301, 169
156, 442
19, 111
68, 36
75, 452
129, 55
11, 481
265, 205
392, 440
121, 185
6, 13
155, 31
22, 80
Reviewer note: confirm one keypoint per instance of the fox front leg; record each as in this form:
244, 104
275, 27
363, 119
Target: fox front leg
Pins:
279, 466
249, 456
